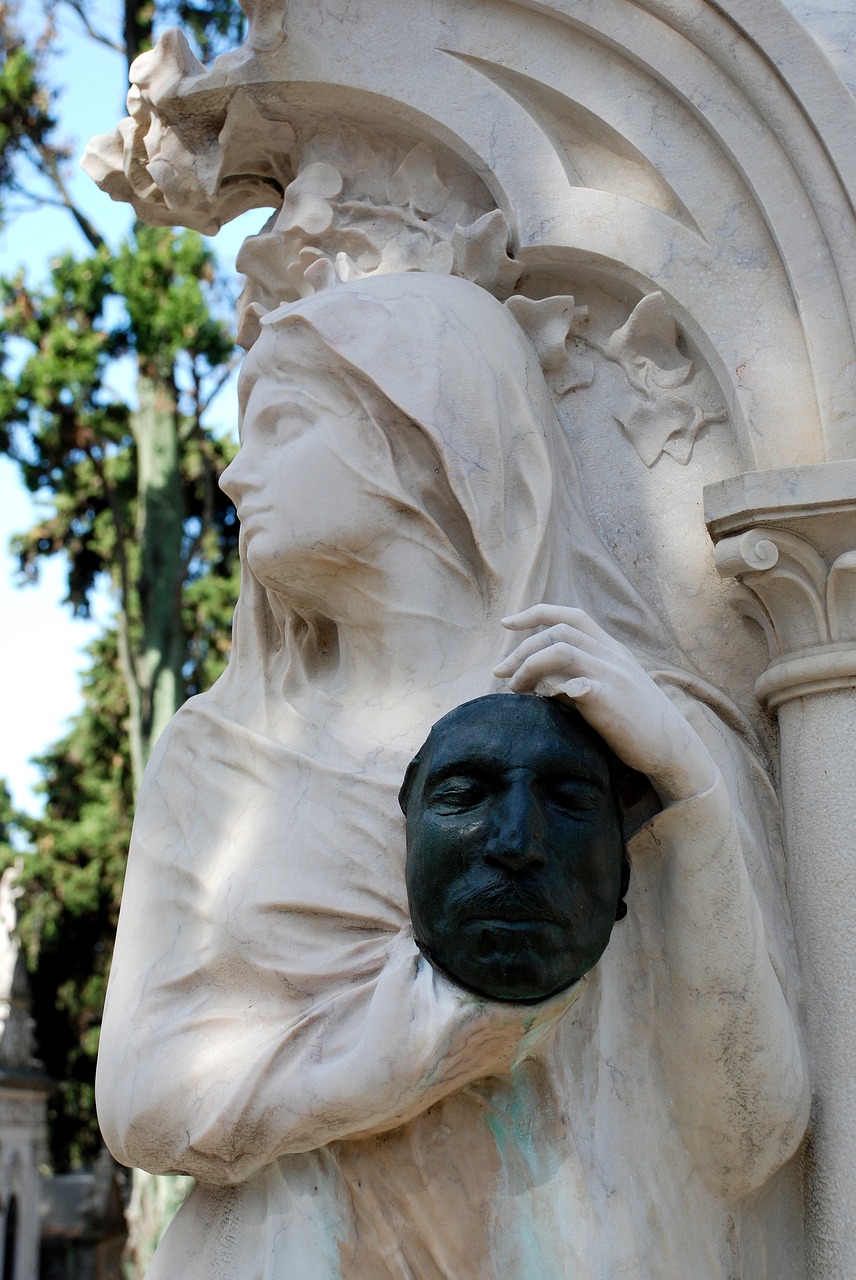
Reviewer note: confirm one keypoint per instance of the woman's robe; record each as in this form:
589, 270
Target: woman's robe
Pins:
351, 1114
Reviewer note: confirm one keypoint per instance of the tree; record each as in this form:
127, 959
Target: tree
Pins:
75, 439
26, 120
134, 492
108, 374
72, 879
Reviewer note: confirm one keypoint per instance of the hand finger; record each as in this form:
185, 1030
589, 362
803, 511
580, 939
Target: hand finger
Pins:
559, 660
561, 633
547, 615
569, 690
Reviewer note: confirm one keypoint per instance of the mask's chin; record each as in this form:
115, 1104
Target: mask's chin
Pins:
519, 975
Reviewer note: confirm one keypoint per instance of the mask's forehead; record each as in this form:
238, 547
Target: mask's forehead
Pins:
504, 732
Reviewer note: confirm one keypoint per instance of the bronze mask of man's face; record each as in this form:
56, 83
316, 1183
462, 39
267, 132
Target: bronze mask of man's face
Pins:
515, 855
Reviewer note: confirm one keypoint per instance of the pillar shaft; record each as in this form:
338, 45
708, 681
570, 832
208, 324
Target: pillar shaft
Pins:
789, 539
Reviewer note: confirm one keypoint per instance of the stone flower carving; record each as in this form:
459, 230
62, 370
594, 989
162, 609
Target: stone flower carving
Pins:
662, 414
195, 150
199, 147
353, 219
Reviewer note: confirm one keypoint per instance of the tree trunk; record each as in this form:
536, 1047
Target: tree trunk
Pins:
161, 568
157, 693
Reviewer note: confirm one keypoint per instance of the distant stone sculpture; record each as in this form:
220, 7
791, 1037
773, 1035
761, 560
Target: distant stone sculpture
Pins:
24, 1091
272, 1028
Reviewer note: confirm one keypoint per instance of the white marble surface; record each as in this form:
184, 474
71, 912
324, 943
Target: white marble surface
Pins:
830, 24
670, 144
697, 151
788, 538
271, 1027
667, 191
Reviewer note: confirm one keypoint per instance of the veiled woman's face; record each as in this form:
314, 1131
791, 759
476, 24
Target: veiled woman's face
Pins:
308, 480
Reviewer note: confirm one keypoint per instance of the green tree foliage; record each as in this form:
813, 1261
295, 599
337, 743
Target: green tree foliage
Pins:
72, 880
142, 312
107, 374
133, 490
8, 822
26, 120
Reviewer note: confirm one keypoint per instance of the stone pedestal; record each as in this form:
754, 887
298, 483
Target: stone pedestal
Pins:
789, 538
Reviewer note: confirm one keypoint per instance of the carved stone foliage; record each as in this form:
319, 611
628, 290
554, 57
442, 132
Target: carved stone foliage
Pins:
555, 328
197, 151
364, 205
196, 168
661, 413
354, 200
806, 602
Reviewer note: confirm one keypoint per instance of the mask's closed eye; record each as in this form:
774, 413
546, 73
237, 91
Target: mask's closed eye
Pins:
458, 793
573, 796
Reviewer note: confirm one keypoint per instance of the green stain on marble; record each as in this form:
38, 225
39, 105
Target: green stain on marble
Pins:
526, 1246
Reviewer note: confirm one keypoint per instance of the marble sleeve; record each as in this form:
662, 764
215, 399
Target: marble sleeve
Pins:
716, 941
212, 1064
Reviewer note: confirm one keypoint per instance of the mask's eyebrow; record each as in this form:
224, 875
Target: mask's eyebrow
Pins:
474, 765
465, 767
579, 777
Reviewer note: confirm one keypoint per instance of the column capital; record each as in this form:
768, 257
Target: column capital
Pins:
789, 539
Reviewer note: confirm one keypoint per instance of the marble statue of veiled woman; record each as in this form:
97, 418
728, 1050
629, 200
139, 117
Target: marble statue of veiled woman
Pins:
271, 1026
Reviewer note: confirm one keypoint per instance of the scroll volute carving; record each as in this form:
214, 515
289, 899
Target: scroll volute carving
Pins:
807, 601
805, 605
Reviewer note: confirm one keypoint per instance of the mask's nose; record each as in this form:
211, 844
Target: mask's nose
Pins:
517, 839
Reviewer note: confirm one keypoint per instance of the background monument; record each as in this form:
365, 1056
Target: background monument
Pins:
681, 177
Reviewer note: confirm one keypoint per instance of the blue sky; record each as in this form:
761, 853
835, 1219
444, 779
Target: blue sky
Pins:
40, 643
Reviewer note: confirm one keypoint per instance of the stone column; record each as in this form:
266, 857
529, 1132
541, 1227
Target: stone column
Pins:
789, 538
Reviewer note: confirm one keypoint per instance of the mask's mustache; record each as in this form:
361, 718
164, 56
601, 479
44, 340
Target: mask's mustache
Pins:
505, 902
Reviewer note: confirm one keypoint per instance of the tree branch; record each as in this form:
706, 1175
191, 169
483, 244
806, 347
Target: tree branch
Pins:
194, 428
130, 671
222, 379
50, 169
77, 8
121, 534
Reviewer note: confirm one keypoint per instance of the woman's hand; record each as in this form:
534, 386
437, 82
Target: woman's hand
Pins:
574, 659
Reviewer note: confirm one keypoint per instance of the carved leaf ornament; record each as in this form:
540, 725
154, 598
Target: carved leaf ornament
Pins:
325, 234
553, 326
661, 414
805, 605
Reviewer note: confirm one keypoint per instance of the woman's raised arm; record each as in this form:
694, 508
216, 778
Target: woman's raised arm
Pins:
729, 1046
